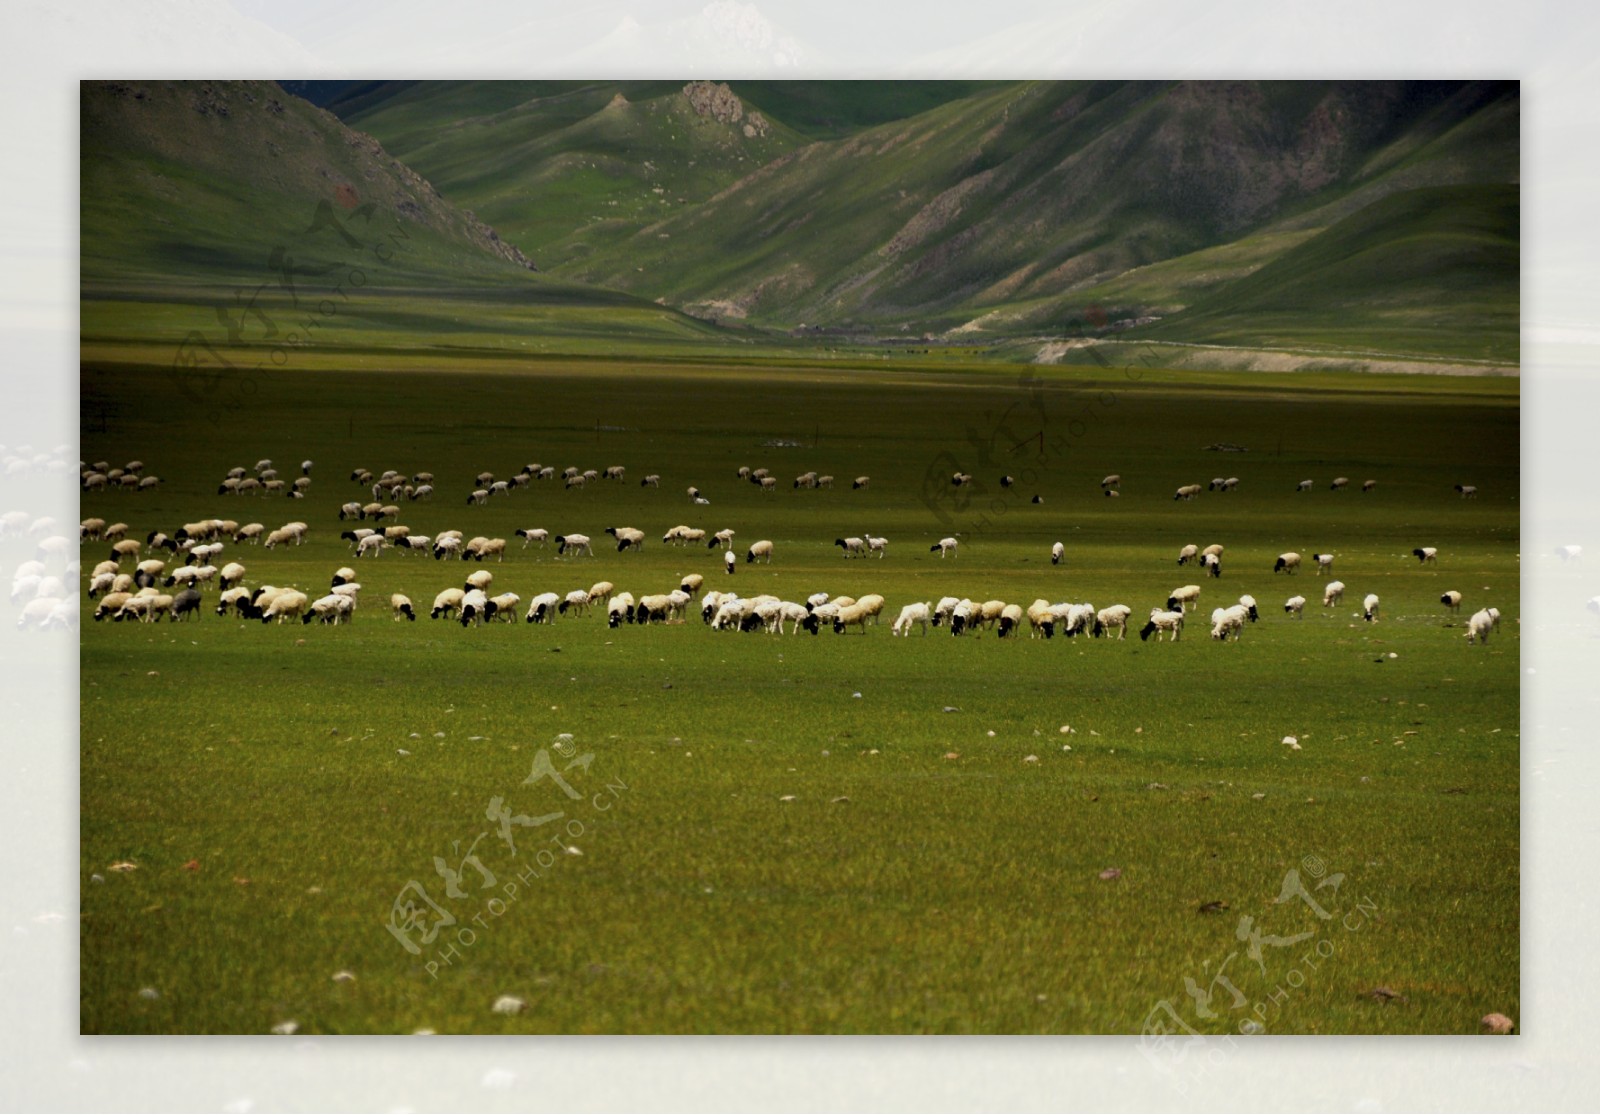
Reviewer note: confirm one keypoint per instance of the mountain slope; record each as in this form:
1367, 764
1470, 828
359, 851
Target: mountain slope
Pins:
229, 198
995, 209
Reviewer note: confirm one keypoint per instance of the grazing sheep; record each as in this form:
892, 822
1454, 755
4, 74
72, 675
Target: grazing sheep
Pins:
860, 482
250, 532
1332, 593
230, 575
287, 604
1010, 619
1324, 563
1212, 564
762, 549
910, 614
480, 548
446, 545
651, 481
1189, 553
878, 546
1368, 485
1112, 618
1339, 483
1184, 598
111, 605
1248, 603
128, 547
90, 530
1479, 626
619, 608
236, 599
1468, 491
600, 592
479, 579
725, 537
371, 546
185, 604
577, 543
1215, 550
1058, 554
1162, 622
1112, 481
1295, 606
961, 616
628, 538
1451, 600
533, 534
577, 600
1369, 608
1426, 554
400, 605
1187, 492
944, 546
944, 610
691, 582
333, 608
1228, 621
852, 546
101, 583
476, 607
1494, 615
447, 603
1041, 620
1287, 563
542, 608
1304, 486
856, 615
769, 483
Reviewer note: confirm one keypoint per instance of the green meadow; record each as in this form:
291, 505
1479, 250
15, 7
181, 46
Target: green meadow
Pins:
831, 834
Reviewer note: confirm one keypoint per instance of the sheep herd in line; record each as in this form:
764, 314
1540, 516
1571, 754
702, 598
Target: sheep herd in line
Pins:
137, 595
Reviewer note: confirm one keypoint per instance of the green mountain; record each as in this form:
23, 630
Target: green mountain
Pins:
988, 210
212, 204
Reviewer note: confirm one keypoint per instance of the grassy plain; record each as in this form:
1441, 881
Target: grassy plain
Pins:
934, 871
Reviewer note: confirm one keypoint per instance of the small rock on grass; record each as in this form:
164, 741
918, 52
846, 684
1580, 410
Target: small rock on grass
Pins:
509, 1004
284, 1029
1111, 873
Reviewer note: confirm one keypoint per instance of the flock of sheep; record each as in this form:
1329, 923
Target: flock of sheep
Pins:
186, 562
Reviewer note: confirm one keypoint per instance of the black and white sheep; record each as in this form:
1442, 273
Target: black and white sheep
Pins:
1332, 593
1162, 623
1183, 598
1058, 553
1426, 554
1295, 606
1113, 618
1369, 608
1451, 600
945, 546
761, 549
912, 614
577, 543
1287, 563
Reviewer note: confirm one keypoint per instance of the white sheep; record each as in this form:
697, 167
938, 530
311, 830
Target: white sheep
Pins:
286, 604
1295, 606
619, 609
1228, 621
961, 616
628, 538
333, 608
1468, 491
1332, 593
1162, 622
371, 546
1479, 626
1324, 563
852, 546
1113, 618
725, 537
1112, 481
1426, 554
475, 607
250, 532
877, 546
577, 543
446, 603
1304, 486
856, 615
533, 534
577, 600
1058, 553
944, 546
784, 611
1451, 600
1339, 483
762, 549
1369, 608
910, 614
1188, 492
729, 562
1183, 598
1368, 485
542, 608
